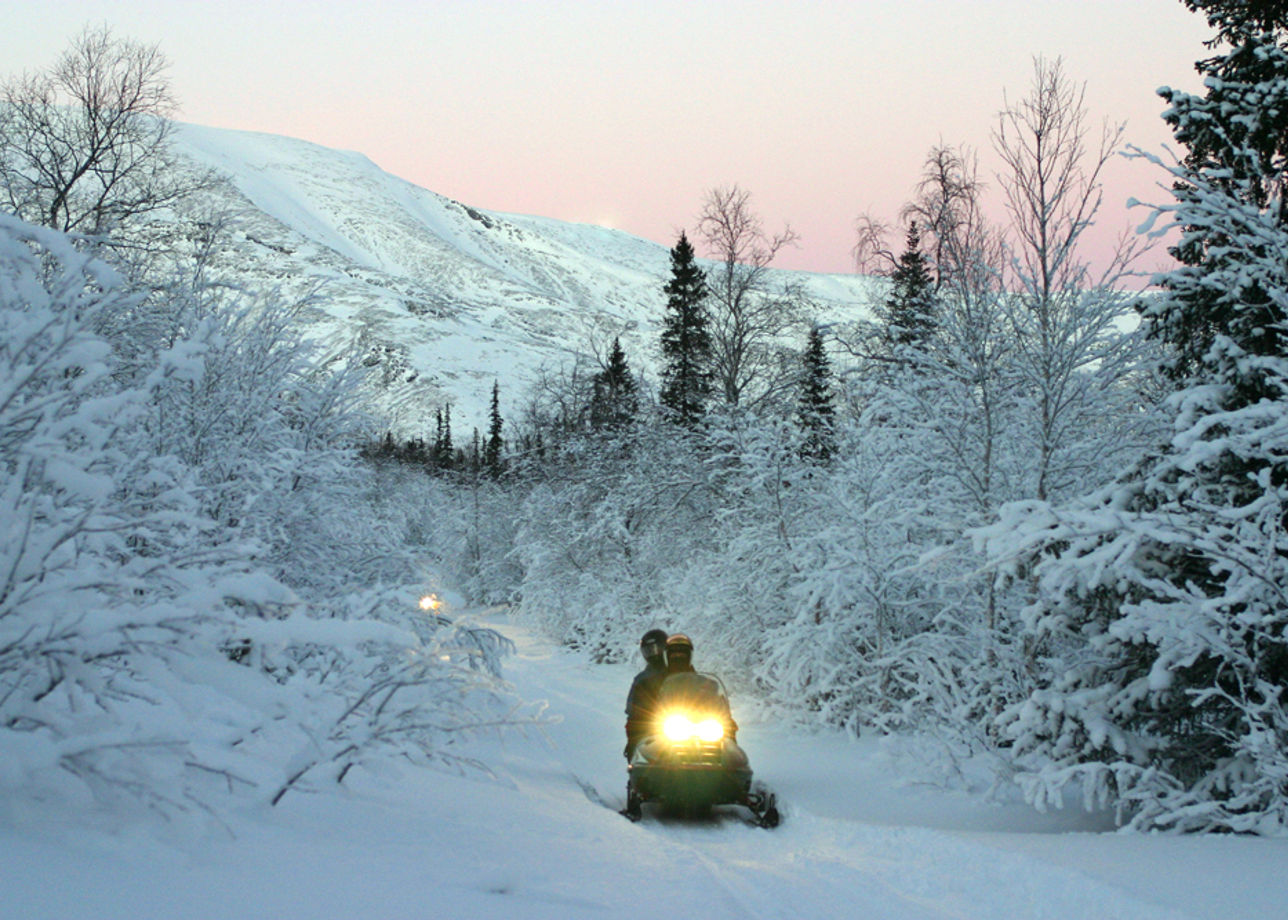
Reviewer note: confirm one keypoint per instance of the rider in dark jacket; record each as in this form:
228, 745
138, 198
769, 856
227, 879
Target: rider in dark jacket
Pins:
641, 702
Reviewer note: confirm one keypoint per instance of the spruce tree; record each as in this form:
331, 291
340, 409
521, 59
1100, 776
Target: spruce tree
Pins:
910, 308
614, 402
815, 412
443, 455
1162, 607
492, 450
686, 341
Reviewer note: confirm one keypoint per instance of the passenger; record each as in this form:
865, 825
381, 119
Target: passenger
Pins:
685, 687
641, 702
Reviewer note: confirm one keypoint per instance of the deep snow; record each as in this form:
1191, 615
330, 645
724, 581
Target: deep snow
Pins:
861, 838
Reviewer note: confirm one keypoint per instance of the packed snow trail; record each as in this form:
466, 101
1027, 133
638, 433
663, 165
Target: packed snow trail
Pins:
536, 842
815, 864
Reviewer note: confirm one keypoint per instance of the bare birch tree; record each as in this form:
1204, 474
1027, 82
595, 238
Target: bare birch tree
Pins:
85, 145
1068, 337
748, 315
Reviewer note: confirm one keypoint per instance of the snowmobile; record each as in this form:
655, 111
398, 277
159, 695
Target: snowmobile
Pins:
691, 762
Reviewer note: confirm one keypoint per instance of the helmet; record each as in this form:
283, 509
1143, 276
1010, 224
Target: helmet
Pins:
653, 643
679, 643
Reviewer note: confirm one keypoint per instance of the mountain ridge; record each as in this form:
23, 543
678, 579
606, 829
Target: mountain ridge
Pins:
443, 298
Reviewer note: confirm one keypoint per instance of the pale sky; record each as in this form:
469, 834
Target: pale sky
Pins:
624, 113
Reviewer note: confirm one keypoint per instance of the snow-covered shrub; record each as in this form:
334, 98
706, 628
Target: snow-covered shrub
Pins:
876, 568
148, 648
602, 534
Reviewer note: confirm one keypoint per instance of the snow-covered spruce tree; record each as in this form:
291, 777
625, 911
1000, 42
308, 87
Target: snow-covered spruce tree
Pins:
909, 312
1161, 610
495, 443
686, 341
815, 407
615, 401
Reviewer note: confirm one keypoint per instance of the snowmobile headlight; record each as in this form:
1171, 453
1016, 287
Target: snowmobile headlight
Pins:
709, 730
680, 727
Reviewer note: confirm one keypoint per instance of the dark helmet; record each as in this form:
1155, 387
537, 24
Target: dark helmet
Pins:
679, 644
653, 644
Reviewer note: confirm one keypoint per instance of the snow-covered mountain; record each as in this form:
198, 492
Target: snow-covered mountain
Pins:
443, 297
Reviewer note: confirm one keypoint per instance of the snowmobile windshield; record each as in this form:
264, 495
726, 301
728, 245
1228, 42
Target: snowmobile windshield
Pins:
692, 691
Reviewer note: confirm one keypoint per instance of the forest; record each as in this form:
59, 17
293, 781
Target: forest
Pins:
1016, 508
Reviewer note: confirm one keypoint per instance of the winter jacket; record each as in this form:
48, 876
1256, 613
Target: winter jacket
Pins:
641, 704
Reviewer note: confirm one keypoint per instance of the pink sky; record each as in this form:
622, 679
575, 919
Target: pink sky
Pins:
624, 113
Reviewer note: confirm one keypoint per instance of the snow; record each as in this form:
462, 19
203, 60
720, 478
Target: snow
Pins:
531, 842
455, 297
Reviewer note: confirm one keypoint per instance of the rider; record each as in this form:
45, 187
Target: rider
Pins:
641, 702
679, 654
680, 685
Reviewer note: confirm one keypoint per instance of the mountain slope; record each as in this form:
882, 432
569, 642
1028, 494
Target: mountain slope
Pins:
443, 298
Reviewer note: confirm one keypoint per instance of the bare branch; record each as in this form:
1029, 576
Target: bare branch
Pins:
85, 146
749, 317
872, 253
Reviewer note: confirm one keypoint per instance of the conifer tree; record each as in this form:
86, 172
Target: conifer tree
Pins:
442, 456
447, 435
910, 308
614, 402
815, 412
686, 341
492, 450
1162, 597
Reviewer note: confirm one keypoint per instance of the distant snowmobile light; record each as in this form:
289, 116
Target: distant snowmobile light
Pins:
430, 602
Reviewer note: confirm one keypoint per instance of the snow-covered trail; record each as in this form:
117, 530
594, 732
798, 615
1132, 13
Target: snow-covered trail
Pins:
532, 844
840, 851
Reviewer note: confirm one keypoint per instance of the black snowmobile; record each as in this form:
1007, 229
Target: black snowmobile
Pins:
691, 761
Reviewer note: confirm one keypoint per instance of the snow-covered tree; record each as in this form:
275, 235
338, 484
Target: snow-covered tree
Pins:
606, 533
909, 312
151, 648
1071, 354
686, 339
615, 400
495, 442
815, 408
1161, 608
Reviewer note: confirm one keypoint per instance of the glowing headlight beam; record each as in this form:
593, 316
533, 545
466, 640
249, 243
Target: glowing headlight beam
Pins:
709, 730
430, 602
679, 727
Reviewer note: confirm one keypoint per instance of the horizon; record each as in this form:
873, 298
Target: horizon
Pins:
572, 110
